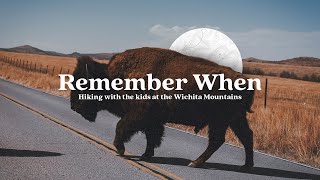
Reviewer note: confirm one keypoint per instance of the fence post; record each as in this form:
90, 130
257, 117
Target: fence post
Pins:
53, 69
47, 69
60, 70
265, 94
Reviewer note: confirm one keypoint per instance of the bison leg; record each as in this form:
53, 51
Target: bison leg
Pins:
124, 131
216, 139
154, 136
244, 133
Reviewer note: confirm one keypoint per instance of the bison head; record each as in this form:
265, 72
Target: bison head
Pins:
86, 68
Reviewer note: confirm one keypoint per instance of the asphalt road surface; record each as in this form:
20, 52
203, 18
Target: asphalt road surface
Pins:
42, 138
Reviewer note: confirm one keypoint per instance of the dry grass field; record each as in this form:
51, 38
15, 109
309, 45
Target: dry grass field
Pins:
289, 127
44, 60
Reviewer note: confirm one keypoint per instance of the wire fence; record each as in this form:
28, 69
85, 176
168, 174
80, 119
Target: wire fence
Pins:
28, 65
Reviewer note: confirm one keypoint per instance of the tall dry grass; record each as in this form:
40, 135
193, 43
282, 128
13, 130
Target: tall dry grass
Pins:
289, 127
44, 82
44, 60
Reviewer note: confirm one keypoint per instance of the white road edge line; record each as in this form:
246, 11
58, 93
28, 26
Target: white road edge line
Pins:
256, 151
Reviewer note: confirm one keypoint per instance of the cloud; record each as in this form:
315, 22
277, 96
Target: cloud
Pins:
269, 44
164, 36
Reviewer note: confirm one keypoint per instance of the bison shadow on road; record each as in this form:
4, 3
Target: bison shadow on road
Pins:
235, 168
26, 153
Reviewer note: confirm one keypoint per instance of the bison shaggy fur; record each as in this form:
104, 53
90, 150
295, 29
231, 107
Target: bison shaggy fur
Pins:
149, 116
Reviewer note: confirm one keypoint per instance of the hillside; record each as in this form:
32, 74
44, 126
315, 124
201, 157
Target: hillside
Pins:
32, 50
297, 61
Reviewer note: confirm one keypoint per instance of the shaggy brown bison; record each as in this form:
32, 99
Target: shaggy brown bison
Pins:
149, 116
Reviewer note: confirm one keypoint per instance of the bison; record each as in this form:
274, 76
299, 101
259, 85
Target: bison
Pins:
150, 116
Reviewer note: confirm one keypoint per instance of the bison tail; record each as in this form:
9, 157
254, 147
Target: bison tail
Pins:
249, 102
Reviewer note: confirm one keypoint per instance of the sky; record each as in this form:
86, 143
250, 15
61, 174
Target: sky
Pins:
270, 29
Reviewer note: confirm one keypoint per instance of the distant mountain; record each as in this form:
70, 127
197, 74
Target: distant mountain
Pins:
32, 50
303, 61
252, 59
100, 56
298, 61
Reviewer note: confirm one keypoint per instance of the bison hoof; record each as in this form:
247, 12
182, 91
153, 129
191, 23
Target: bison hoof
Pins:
146, 156
119, 147
246, 167
120, 152
193, 164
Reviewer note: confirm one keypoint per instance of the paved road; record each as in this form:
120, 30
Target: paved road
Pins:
32, 147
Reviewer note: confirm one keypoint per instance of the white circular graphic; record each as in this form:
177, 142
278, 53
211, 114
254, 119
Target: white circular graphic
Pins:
209, 44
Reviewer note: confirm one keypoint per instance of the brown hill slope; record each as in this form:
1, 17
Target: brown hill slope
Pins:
32, 50
297, 61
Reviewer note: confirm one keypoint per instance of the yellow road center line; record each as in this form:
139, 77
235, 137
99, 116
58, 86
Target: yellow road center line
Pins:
145, 166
